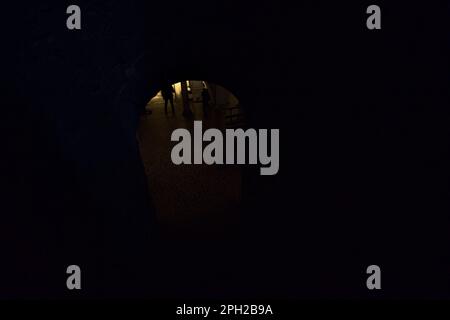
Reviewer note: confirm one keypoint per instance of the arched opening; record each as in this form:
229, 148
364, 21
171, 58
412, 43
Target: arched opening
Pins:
195, 199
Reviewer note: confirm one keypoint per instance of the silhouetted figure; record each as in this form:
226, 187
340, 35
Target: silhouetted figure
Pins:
167, 93
206, 98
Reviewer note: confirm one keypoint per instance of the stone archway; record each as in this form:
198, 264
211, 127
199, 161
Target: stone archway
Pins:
202, 199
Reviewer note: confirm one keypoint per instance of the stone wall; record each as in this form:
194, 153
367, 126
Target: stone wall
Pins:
363, 136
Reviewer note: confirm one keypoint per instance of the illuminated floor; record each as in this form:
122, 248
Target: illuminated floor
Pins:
196, 198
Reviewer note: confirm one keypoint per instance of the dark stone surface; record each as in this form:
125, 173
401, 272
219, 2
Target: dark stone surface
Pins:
364, 149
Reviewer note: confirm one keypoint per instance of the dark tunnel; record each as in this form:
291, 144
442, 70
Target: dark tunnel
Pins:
361, 159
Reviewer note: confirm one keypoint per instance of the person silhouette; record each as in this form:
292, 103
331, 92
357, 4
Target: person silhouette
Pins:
206, 98
167, 93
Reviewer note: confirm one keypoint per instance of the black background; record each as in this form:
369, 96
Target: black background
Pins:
364, 145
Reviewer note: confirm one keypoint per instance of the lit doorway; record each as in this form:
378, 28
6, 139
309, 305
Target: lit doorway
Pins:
197, 198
